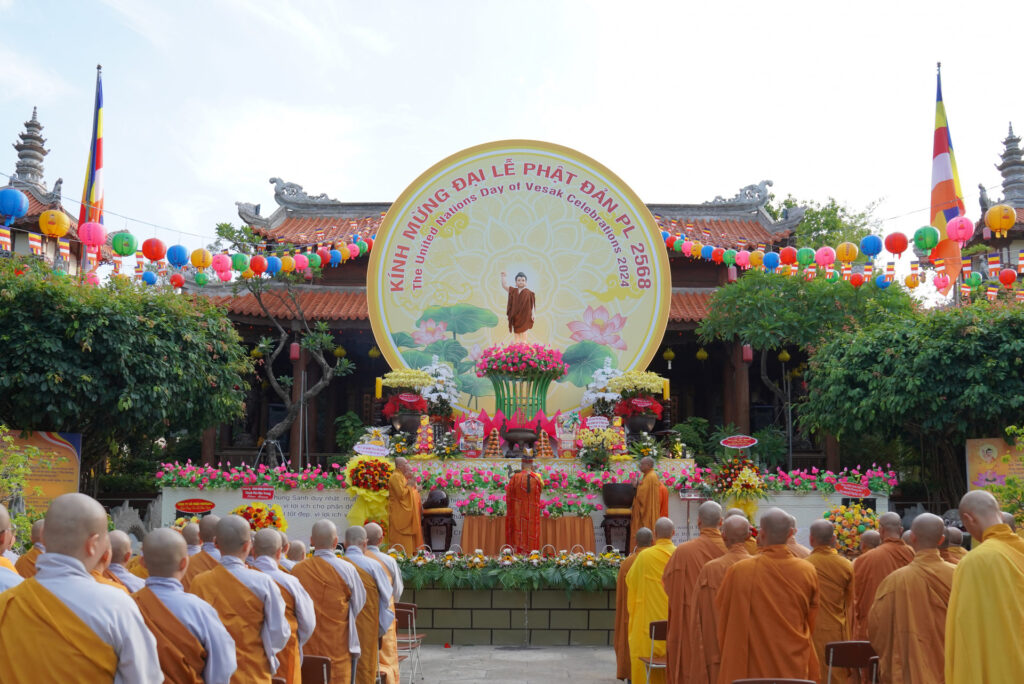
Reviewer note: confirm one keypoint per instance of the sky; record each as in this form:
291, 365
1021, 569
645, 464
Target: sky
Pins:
205, 101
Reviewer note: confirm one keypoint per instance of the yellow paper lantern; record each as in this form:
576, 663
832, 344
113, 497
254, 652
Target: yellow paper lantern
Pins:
247, 273
374, 353
911, 281
756, 259
784, 356
340, 352
847, 252
695, 250
1000, 219
53, 223
702, 354
201, 258
287, 264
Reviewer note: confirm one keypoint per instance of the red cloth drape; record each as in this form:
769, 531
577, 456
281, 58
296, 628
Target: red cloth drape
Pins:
522, 523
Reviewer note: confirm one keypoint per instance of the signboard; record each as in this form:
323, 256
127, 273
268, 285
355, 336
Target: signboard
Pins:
738, 442
258, 493
589, 248
855, 490
370, 450
194, 506
990, 461
596, 422
55, 467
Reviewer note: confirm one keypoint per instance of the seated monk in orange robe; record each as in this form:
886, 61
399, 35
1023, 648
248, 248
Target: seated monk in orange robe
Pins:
207, 558
680, 582
389, 644
835, 587
646, 503
766, 609
707, 657
522, 500
338, 597
644, 539
907, 621
405, 511
60, 625
874, 566
521, 308
26, 565
101, 573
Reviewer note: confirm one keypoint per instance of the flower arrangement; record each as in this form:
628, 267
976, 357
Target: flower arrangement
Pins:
179, 523
875, 478
635, 383
645, 445
727, 472
489, 505
596, 446
850, 522
226, 476
447, 447
369, 473
401, 444
442, 394
569, 505
261, 516
597, 395
407, 379
534, 360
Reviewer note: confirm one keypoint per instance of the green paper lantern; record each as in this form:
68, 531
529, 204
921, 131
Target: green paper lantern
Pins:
729, 257
314, 260
974, 280
678, 246
363, 247
202, 279
926, 238
239, 262
805, 256
124, 244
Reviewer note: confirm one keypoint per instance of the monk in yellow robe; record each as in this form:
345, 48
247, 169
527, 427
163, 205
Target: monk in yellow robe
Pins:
680, 582
874, 566
521, 308
26, 565
405, 510
644, 539
835, 597
249, 604
208, 557
707, 659
907, 621
338, 597
766, 609
193, 645
647, 502
60, 625
647, 600
522, 501
952, 550
985, 620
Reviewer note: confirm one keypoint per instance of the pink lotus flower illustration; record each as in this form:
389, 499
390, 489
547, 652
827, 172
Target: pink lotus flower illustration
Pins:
599, 326
430, 331
989, 477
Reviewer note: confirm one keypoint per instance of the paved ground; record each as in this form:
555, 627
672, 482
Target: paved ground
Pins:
508, 665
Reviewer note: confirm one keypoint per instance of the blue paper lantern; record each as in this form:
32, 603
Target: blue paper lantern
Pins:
13, 204
177, 255
871, 246
706, 251
273, 265
881, 283
149, 277
771, 261
335, 257
665, 235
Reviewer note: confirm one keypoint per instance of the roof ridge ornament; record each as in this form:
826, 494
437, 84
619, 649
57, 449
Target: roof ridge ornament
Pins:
292, 196
751, 195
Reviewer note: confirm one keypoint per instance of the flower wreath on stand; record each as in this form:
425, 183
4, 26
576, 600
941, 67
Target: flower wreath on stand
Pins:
637, 390
367, 478
850, 522
740, 481
406, 385
261, 516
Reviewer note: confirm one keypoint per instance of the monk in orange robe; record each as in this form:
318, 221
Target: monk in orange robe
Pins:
338, 598
835, 586
521, 308
680, 582
707, 660
874, 566
869, 540
522, 500
907, 621
644, 538
389, 643
405, 511
766, 609
751, 543
952, 550
26, 565
60, 625
205, 559
647, 502
101, 573
647, 601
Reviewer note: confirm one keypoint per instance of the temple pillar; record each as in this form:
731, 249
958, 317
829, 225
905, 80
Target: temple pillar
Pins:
295, 438
832, 453
736, 383
313, 375
330, 433
209, 444
225, 435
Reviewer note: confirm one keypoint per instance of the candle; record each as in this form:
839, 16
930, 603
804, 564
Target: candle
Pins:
664, 389
378, 390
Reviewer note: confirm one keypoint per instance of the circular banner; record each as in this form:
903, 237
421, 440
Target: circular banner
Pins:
452, 249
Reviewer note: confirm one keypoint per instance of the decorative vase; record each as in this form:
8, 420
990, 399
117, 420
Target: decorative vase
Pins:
520, 392
618, 495
641, 422
406, 421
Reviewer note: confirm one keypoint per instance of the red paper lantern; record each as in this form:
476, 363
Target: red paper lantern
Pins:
748, 354
294, 351
732, 274
177, 280
369, 243
258, 264
717, 254
857, 279
1007, 277
896, 243
787, 255
325, 256
670, 241
154, 249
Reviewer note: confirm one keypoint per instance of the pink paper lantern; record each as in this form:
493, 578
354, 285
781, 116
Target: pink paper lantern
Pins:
92, 278
225, 276
960, 229
353, 251
92, 234
221, 262
687, 247
301, 262
743, 258
941, 282
825, 256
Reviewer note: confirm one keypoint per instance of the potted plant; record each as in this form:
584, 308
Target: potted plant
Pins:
637, 404
598, 447
405, 404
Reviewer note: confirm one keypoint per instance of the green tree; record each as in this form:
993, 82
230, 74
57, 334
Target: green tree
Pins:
772, 311
935, 378
827, 224
315, 337
120, 364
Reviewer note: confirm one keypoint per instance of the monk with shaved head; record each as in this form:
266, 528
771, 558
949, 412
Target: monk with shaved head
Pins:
680, 580
907, 621
208, 556
985, 621
870, 539
61, 625
8, 574
120, 554
389, 645
248, 601
405, 509
298, 606
874, 566
296, 552
707, 657
751, 543
338, 598
952, 550
644, 539
646, 507
798, 549
192, 541
26, 565
647, 600
766, 609
192, 643
286, 545
835, 587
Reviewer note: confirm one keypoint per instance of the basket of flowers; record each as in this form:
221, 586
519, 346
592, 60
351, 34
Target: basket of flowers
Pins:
521, 374
597, 447
637, 404
850, 522
405, 403
367, 478
739, 481
261, 516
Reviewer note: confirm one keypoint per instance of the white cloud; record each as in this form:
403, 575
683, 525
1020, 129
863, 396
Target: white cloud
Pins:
23, 80
147, 19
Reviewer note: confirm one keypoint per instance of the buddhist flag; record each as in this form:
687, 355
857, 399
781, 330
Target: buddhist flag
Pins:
993, 264
947, 197
92, 194
64, 247
992, 293
965, 291
35, 243
1020, 295
868, 270
890, 271
5, 238
117, 264
846, 271
965, 267
1020, 262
